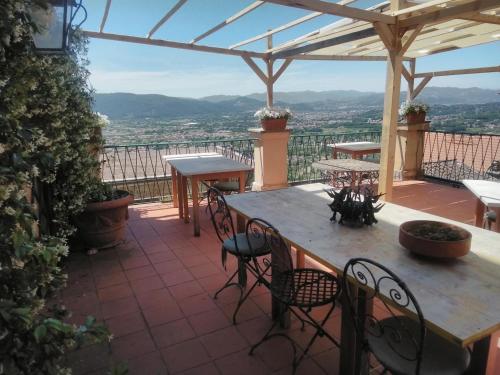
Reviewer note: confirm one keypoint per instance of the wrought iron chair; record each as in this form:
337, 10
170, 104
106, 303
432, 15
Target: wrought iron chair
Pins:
298, 290
236, 244
402, 345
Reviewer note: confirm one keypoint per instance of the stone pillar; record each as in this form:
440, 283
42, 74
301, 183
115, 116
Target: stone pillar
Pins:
410, 150
271, 158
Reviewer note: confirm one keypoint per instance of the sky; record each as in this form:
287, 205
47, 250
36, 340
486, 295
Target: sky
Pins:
126, 67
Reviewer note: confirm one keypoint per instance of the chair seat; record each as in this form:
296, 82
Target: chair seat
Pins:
257, 248
227, 186
305, 287
439, 355
490, 216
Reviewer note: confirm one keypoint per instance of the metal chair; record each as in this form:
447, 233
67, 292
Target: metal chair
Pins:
490, 217
402, 345
297, 290
236, 244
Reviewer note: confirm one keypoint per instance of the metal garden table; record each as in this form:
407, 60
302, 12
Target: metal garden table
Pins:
355, 149
348, 171
460, 299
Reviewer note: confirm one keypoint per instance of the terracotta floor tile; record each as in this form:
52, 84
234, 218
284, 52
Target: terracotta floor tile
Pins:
162, 256
161, 313
110, 280
177, 277
249, 310
125, 324
169, 266
197, 304
276, 353
106, 268
329, 361
223, 342
114, 292
306, 367
209, 321
134, 262
241, 363
204, 270
207, 369
147, 284
253, 330
185, 290
156, 248
133, 345
140, 273
172, 333
89, 358
154, 298
151, 363
194, 260
213, 282
184, 356
119, 307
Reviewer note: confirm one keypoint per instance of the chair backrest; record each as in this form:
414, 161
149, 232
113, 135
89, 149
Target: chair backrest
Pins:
376, 281
261, 233
221, 216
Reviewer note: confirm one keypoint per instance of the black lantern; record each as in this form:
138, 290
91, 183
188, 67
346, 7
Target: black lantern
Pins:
54, 25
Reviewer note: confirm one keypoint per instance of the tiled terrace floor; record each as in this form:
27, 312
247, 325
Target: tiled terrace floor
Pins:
155, 294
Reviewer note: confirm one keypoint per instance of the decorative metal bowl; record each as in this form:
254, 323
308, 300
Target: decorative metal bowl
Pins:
434, 239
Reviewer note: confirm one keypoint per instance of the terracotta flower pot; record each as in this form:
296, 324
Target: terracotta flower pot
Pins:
102, 224
273, 124
434, 239
415, 118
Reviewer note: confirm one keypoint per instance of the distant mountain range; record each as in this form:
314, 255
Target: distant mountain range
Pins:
126, 105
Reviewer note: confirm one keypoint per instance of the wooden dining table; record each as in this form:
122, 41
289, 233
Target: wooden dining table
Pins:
459, 298
351, 172
356, 149
199, 167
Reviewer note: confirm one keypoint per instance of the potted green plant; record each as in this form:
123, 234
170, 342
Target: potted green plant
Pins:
273, 119
414, 112
102, 223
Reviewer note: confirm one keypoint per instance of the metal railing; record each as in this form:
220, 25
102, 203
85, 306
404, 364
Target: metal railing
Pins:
453, 157
303, 150
141, 169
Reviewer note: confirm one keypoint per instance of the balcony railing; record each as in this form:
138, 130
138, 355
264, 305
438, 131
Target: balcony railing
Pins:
456, 156
141, 170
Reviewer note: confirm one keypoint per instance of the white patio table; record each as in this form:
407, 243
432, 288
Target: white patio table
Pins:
459, 299
488, 196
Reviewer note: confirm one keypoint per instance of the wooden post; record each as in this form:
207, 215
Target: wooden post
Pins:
270, 80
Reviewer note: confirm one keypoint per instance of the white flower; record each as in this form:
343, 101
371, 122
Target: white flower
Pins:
272, 113
409, 106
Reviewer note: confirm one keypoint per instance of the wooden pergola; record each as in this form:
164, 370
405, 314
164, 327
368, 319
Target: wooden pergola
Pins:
396, 31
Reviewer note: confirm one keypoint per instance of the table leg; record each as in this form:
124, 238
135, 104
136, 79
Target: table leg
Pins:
496, 224
278, 309
175, 195
480, 210
353, 360
479, 357
196, 206
242, 271
334, 153
185, 199
180, 195
242, 181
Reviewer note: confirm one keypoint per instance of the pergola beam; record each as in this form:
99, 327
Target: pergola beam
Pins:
446, 14
229, 20
282, 69
105, 16
337, 10
171, 44
256, 69
483, 18
490, 69
420, 87
286, 26
166, 17
324, 44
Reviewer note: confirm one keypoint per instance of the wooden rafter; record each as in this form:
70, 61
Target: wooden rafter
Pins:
445, 14
172, 44
229, 20
105, 16
341, 58
420, 87
325, 43
286, 26
256, 69
490, 69
406, 74
411, 38
166, 17
483, 18
337, 10
281, 69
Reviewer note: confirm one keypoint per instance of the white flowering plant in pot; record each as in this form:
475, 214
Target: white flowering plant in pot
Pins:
414, 112
269, 113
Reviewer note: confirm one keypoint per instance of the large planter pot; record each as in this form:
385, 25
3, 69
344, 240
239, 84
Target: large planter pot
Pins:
102, 224
273, 124
434, 239
415, 118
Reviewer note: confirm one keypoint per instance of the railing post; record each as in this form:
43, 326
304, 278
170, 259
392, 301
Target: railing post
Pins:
271, 158
410, 150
